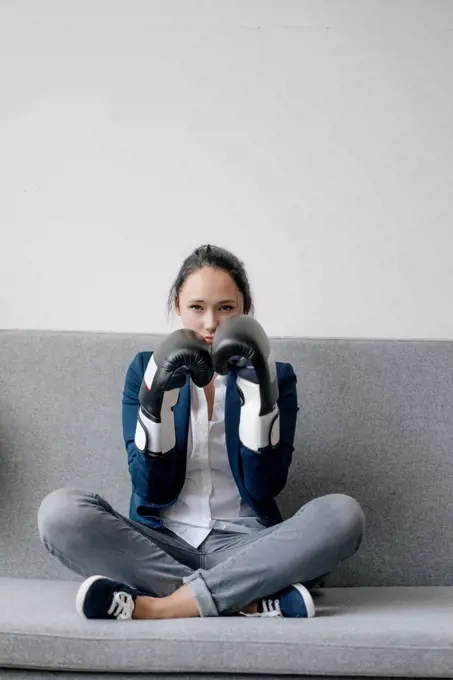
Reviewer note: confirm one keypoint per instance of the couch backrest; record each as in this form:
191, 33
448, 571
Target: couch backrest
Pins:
375, 422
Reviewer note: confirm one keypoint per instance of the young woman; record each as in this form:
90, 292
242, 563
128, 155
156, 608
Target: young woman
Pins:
209, 421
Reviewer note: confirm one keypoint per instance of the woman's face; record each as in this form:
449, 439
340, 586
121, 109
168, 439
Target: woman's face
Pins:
207, 298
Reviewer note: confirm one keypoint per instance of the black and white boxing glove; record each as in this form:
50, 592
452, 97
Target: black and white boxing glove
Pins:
183, 353
241, 345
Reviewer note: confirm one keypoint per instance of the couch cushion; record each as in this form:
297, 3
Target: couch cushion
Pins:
375, 422
358, 631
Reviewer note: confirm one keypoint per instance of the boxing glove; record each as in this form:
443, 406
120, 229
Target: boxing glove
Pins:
240, 345
183, 353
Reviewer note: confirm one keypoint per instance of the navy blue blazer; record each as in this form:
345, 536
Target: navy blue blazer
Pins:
157, 480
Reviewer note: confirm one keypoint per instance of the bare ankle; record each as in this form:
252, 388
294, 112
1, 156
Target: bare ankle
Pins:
179, 605
144, 608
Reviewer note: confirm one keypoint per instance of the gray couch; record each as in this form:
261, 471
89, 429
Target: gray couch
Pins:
375, 422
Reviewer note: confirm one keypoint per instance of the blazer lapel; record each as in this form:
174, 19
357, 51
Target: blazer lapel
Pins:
181, 414
232, 417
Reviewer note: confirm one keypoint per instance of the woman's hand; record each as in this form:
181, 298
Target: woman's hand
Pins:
181, 354
240, 345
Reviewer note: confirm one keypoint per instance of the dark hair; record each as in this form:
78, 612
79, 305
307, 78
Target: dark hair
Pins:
217, 258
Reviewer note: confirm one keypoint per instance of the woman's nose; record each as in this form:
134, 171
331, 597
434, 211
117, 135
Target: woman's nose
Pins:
210, 323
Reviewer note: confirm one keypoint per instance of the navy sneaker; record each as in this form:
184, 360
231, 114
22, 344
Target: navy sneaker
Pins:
100, 597
294, 602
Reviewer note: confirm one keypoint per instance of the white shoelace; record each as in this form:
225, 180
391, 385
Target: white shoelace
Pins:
122, 605
271, 608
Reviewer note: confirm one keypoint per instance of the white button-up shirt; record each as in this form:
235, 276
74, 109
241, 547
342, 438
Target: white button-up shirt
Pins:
209, 498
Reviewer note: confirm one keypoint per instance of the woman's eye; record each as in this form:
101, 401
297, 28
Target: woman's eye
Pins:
227, 308
195, 307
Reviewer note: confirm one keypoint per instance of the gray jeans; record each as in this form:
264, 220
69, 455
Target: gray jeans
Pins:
227, 572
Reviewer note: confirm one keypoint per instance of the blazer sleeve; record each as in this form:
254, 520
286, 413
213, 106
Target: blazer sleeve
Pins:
265, 473
156, 479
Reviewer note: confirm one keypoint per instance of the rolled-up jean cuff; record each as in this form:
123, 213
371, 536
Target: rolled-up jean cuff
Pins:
201, 593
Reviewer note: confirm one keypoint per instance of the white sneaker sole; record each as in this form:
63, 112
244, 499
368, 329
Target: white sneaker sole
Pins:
82, 591
307, 598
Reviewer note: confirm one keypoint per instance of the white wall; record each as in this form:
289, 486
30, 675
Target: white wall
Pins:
313, 138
